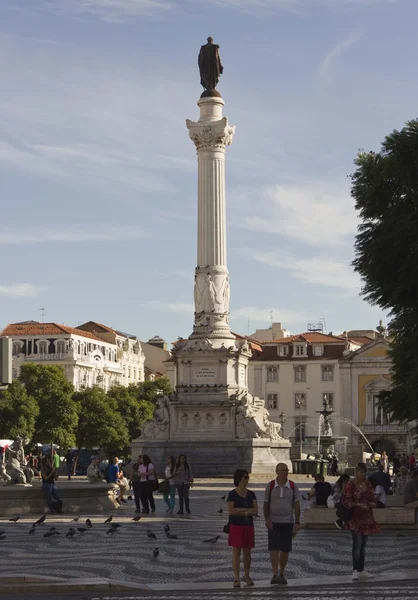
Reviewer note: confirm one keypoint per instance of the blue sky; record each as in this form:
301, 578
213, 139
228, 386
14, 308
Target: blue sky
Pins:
98, 176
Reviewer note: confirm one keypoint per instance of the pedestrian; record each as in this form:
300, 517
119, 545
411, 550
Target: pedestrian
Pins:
411, 461
56, 462
382, 479
135, 483
147, 481
242, 506
281, 502
379, 493
170, 495
337, 493
359, 500
400, 480
183, 478
384, 461
396, 464
69, 458
320, 492
404, 460
334, 466
410, 490
49, 488
114, 478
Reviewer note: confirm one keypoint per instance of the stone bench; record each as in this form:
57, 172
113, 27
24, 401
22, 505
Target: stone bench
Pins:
76, 498
394, 517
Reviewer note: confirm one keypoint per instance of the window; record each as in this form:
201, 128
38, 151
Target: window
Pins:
328, 397
272, 401
300, 400
133, 373
300, 374
61, 347
327, 373
283, 350
318, 350
43, 348
16, 348
300, 429
272, 374
299, 350
380, 416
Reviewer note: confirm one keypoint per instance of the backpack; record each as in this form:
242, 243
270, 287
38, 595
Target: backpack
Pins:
271, 488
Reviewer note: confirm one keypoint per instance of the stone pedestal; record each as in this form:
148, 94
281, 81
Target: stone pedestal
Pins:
211, 417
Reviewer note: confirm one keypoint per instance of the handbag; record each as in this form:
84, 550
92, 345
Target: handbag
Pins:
330, 502
225, 528
163, 487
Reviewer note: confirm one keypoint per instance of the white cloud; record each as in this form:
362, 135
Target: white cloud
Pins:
20, 290
62, 234
263, 314
317, 270
113, 11
319, 214
329, 61
294, 5
178, 307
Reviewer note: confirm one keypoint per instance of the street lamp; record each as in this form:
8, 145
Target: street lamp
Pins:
300, 404
282, 421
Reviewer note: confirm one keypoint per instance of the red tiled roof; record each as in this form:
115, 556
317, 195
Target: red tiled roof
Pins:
331, 352
19, 329
310, 338
105, 328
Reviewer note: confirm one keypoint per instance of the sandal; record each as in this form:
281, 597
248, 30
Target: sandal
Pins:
237, 583
248, 581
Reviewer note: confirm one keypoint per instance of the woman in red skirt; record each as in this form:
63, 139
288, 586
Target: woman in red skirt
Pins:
242, 505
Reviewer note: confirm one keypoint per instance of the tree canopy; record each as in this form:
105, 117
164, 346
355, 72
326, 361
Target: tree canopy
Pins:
385, 189
18, 412
133, 411
151, 390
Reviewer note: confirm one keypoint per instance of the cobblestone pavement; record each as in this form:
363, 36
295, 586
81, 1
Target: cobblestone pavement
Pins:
127, 554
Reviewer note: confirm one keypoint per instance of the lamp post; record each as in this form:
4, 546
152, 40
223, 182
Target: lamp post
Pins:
282, 421
300, 405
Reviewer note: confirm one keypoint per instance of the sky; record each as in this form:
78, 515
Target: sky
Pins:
98, 177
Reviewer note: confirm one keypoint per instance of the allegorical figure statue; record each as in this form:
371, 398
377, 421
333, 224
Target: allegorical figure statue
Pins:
210, 65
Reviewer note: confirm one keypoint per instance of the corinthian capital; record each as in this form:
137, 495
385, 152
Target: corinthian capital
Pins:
211, 134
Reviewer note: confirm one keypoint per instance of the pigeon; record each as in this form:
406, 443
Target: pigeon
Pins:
81, 529
2, 537
88, 523
151, 535
212, 540
14, 519
109, 520
399, 536
41, 520
32, 531
220, 511
166, 528
111, 530
53, 529
49, 534
155, 552
75, 520
71, 532
171, 536
223, 497
136, 519
56, 532
2, 532
115, 525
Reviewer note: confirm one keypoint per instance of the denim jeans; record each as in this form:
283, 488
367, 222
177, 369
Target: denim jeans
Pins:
359, 546
170, 497
50, 491
183, 492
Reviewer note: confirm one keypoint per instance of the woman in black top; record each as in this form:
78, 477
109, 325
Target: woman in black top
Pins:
242, 505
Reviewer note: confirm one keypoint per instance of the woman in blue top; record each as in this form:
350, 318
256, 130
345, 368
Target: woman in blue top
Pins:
242, 505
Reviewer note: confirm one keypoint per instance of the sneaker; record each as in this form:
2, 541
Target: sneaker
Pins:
180, 512
282, 579
189, 512
170, 512
153, 511
274, 580
365, 575
339, 523
355, 575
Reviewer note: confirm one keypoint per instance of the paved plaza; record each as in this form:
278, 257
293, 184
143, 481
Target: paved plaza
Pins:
127, 554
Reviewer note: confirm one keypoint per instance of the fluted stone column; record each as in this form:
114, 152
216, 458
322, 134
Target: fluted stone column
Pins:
211, 134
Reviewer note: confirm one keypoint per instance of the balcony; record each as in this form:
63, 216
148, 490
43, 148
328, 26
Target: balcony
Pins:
389, 429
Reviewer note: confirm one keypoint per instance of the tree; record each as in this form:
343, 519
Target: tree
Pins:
99, 422
133, 411
385, 188
58, 416
18, 412
151, 390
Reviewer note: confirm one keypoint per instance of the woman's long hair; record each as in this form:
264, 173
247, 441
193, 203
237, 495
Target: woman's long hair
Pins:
186, 464
172, 464
146, 460
341, 481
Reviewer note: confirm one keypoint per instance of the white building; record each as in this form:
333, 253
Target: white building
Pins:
294, 374
91, 354
274, 332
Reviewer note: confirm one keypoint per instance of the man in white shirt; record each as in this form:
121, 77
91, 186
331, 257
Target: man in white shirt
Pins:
282, 515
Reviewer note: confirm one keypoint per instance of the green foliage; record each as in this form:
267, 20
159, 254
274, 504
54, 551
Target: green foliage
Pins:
151, 390
99, 422
57, 418
385, 188
133, 411
18, 412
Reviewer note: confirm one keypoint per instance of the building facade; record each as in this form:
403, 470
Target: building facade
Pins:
91, 354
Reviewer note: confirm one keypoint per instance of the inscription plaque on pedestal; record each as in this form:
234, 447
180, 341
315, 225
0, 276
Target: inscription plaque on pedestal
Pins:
204, 375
